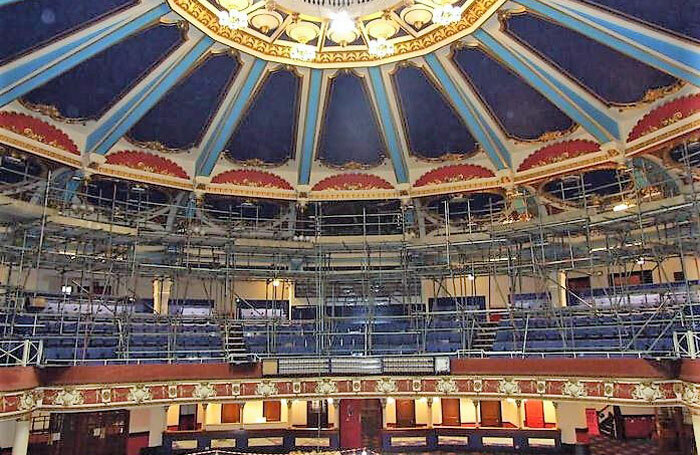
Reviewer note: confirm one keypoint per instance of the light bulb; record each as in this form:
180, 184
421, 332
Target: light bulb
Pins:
233, 19
446, 14
381, 48
302, 52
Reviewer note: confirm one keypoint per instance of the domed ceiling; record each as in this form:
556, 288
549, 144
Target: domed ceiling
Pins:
331, 99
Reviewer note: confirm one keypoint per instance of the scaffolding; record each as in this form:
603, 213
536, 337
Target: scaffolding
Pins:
118, 237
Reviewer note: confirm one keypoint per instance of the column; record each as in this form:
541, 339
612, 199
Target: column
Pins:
21, 442
157, 424
336, 413
205, 406
477, 412
240, 411
290, 403
384, 413
430, 412
696, 430
519, 413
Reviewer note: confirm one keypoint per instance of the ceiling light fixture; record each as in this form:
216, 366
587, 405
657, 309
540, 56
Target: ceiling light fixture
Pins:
233, 19
303, 52
446, 14
381, 48
342, 24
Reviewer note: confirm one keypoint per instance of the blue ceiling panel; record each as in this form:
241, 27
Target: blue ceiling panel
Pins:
89, 89
28, 24
615, 78
178, 121
350, 131
268, 131
434, 128
524, 113
678, 16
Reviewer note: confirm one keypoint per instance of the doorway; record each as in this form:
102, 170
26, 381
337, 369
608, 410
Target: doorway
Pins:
360, 424
491, 414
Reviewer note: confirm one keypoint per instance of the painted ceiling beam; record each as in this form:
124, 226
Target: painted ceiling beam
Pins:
7, 2
481, 112
227, 117
128, 111
389, 129
22, 75
308, 141
583, 109
481, 132
660, 50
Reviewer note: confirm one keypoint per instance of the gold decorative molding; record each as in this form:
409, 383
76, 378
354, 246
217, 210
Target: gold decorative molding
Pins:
268, 48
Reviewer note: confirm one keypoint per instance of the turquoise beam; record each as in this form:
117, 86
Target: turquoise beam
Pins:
598, 123
118, 120
478, 129
388, 125
660, 50
308, 144
7, 2
20, 76
234, 108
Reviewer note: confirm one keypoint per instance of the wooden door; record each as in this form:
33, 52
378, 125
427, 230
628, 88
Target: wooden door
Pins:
450, 412
405, 413
491, 414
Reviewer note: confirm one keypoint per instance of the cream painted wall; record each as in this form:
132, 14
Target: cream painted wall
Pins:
569, 417
139, 419
7, 433
467, 410
550, 412
390, 411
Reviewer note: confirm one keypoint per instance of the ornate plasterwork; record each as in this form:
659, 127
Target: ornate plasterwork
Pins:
203, 391
647, 392
574, 389
275, 49
386, 386
140, 394
69, 398
266, 389
326, 387
447, 386
590, 390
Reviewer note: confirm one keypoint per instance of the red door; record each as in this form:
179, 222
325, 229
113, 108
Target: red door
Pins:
534, 414
360, 424
350, 424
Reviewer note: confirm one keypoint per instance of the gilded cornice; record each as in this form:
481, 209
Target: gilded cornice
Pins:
267, 48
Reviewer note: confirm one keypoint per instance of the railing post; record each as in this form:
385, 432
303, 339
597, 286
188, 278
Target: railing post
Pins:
692, 344
25, 352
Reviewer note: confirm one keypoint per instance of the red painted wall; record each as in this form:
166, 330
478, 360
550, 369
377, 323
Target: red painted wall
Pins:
350, 424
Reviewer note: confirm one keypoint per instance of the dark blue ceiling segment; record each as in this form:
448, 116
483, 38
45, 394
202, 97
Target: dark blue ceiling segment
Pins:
678, 16
91, 88
28, 24
268, 131
179, 120
524, 113
350, 131
434, 128
612, 76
